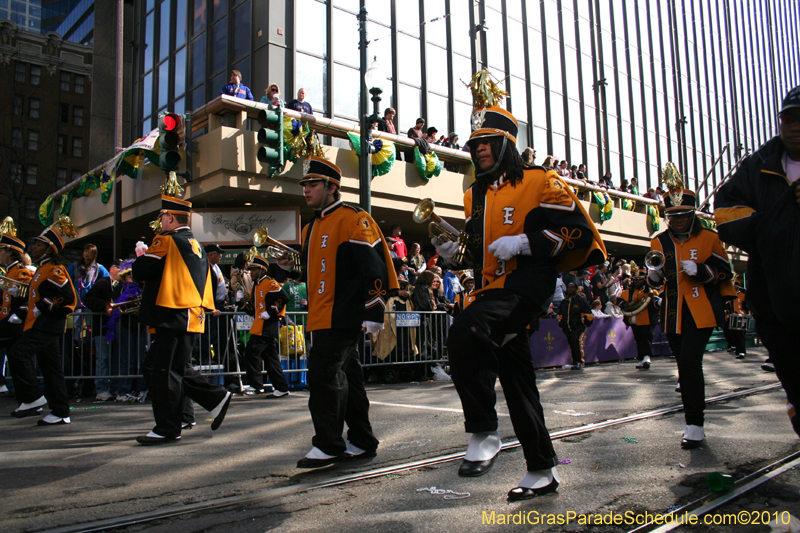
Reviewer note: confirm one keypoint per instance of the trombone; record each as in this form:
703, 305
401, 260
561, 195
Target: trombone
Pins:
276, 249
6, 283
441, 230
129, 306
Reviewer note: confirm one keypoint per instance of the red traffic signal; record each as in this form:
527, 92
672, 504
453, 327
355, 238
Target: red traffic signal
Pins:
171, 122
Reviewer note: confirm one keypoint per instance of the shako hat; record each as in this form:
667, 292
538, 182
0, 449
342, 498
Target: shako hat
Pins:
260, 261
318, 168
54, 235
488, 118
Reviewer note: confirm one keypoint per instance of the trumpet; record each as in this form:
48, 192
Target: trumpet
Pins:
129, 306
6, 283
654, 260
276, 249
441, 230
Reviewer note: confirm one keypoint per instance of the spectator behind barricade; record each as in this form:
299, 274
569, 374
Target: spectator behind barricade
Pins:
399, 245
437, 269
606, 181
418, 131
651, 192
597, 310
387, 122
549, 163
298, 298
563, 169
442, 302
391, 242
659, 195
85, 272
570, 277
451, 286
600, 281
452, 142
416, 263
432, 261
272, 96
529, 156
634, 188
235, 87
97, 300
586, 284
624, 186
431, 135
241, 282
299, 104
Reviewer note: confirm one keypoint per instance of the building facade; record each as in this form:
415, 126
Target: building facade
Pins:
623, 86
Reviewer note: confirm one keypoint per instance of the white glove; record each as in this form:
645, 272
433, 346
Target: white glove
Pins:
141, 249
264, 316
690, 267
14, 319
658, 301
447, 250
36, 312
284, 264
507, 247
239, 295
654, 276
13, 291
373, 327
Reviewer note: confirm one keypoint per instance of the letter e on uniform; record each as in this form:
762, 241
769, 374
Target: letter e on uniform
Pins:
509, 212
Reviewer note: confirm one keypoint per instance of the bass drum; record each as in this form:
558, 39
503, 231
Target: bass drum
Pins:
738, 322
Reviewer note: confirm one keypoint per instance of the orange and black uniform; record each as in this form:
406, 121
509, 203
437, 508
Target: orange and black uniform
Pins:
691, 306
736, 338
269, 297
176, 298
52, 294
349, 273
487, 339
9, 332
643, 323
463, 299
574, 314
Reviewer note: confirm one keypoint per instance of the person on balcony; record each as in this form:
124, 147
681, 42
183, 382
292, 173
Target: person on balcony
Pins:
235, 88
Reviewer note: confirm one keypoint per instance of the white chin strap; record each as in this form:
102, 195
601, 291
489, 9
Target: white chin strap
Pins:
496, 163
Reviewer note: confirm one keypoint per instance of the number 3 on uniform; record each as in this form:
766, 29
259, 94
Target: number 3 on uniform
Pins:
502, 270
321, 287
695, 292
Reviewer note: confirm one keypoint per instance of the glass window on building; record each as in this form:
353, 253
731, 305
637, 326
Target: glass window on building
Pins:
574, 118
180, 23
31, 171
538, 106
348, 91
199, 96
559, 146
61, 148
33, 140
65, 79
463, 126
557, 113
77, 147
77, 116
17, 106
575, 152
149, 47
380, 47
409, 107
436, 59
462, 72
408, 60
408, 18
540, 142
624, 98
61, 177
535, 56
533, 10
147, 94
314, 37
31, 209
438, 115
200, 14
377, 10
165, 23
571, 60
345, 38
519, 98
163, 84
199, 62
241, 34
218, 9
350, 5
312, 74
36, 74
76, 174
219, 47
554, 65
19, 72
180, 69
33, 107
514, 9
460, 31
522, 136
590, 135
16, 137
80, 82
179, 106
436, 31
550, 21
516, 48
495, 41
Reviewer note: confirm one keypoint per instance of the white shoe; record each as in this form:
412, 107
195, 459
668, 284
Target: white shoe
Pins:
3, 389
36, 404
52, 420
103, 397
566, 367
279, 394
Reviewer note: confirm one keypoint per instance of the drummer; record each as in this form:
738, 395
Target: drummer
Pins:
735, 327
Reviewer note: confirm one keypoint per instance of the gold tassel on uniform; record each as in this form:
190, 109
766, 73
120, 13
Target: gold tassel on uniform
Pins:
485, 92
7, 227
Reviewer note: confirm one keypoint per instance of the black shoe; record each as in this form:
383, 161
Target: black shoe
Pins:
221, 416
147, 440
33, 411
687, 444
522, 493
475, 468
306, 462
768, 367
349, 458
740, 356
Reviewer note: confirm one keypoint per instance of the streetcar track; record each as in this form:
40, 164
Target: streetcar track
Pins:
229, 501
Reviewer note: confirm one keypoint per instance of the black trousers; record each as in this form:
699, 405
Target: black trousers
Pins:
688, 347
488, 341
643, 335
782, 348
44, 347
337, 394
264, 348
735, 338
171, 378
576, 337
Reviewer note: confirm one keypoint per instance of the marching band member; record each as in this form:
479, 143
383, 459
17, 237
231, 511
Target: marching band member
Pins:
176, 298
12, 316
524, 227
643, 321
465, 297
694, 265
350, 272
51, 298
735, 337
574, 314
269, 305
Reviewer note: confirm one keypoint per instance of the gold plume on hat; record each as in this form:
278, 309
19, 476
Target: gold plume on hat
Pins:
65, 227
7, 227
311, 146
674, 183
485, 92
171, 187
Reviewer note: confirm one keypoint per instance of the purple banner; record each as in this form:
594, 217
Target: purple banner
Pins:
607, 339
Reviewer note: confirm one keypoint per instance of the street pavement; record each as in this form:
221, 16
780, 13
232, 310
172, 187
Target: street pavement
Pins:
93, 469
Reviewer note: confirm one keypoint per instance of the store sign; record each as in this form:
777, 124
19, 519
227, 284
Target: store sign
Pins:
236, 227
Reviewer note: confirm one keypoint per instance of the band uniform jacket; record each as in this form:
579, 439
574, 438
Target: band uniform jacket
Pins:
463, 299
574, 312
348, 267
562, 237
13, 306
702, 292
633, 296
52, 293
270, 297
177, 290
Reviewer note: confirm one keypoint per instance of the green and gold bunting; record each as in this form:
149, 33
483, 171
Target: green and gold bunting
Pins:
66, 202
628, 205
428, 165
106, 186
383, 156
652, 216
605, 205
294, 138
708, 223
46, 211
89, 182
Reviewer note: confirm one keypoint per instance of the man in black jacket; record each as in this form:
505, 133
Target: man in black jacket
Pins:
757, 210
573, 312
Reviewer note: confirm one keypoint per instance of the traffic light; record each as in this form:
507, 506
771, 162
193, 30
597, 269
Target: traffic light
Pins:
270, 137
169, 137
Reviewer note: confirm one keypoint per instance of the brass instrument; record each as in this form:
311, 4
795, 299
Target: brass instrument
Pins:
6, 283
276, 249
441, 230
638, 306
129, 306
654, 260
